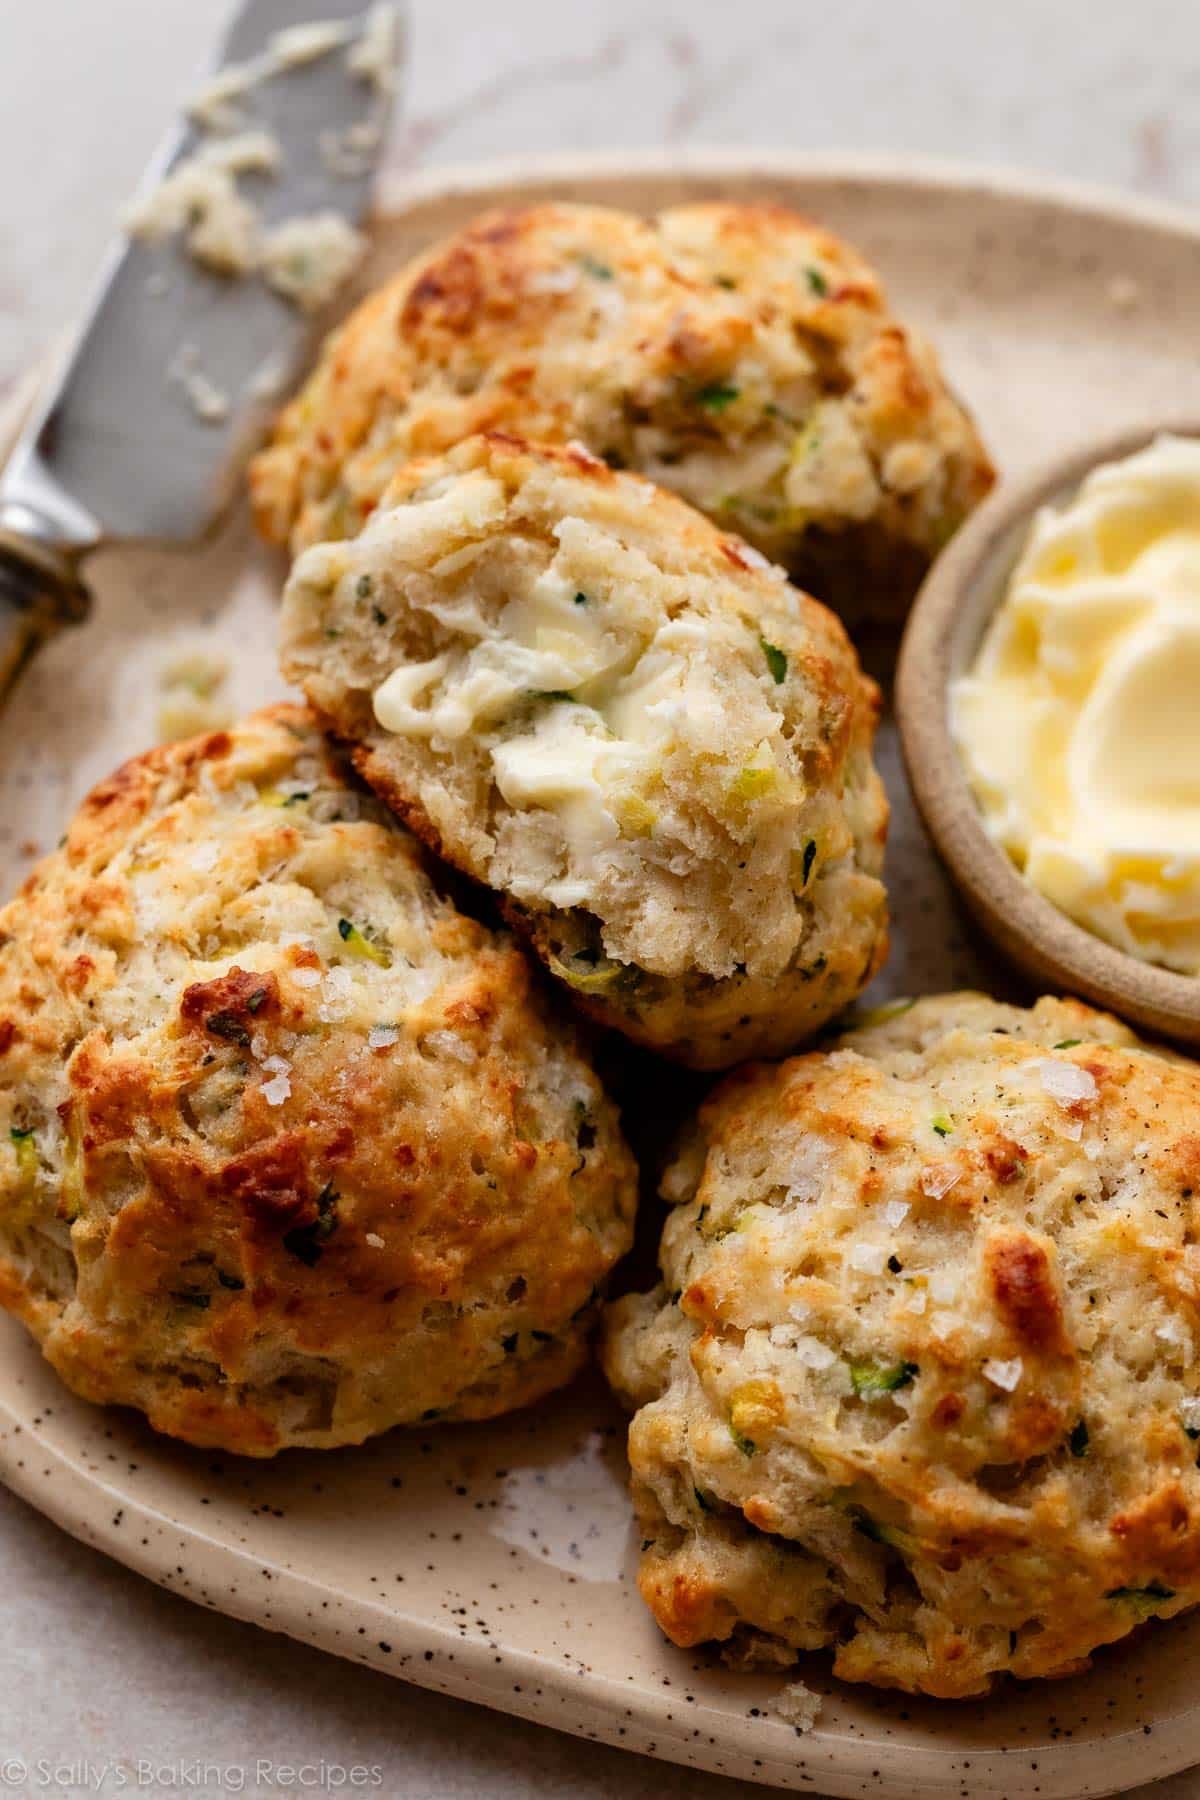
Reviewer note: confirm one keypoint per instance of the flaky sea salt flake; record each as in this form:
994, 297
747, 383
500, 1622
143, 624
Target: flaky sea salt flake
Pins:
938, 1178
276, 1091
1066, 1082
1004, 1375
869, 1259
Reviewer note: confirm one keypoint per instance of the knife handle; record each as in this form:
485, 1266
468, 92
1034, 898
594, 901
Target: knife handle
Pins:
40, 591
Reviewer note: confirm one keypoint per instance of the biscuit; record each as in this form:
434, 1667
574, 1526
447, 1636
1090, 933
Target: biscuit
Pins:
922, 1381
738, 354
290, 1149
582, 693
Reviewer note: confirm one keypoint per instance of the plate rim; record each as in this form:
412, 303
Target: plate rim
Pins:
766, 1750
401, 189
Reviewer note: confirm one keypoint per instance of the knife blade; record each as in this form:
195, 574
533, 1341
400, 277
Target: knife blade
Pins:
117, 450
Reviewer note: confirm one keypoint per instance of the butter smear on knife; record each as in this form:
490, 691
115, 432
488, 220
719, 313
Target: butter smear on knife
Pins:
306, 258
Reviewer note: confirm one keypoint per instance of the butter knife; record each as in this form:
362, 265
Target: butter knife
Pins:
168, 380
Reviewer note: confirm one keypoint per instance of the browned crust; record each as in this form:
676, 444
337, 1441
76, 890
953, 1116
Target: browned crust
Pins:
1036, 1522
455, 344
698, 1025
234, 1258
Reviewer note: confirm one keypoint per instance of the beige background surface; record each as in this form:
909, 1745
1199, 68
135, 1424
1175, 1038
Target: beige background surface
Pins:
96, 1667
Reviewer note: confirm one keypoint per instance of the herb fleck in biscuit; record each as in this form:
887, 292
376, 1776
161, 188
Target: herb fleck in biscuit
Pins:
582, 693
922, 1380
737, 354
289, 1151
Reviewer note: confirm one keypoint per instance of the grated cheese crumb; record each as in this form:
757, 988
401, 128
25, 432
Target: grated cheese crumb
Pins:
895, 1213
373, 1238
306, 978
381, 1037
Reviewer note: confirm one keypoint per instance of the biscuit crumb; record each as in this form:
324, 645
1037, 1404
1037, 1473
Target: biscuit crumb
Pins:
372, 58
307, 260
304, 259
209, 402
190, 682
799, 1706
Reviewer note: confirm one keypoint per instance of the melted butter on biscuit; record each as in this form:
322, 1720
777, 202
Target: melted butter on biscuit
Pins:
1079, 724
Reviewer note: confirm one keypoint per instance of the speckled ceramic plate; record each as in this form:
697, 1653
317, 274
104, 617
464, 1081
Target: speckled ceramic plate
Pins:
497, 1562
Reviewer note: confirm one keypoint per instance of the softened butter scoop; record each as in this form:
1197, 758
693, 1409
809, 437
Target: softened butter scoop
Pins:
1079, 721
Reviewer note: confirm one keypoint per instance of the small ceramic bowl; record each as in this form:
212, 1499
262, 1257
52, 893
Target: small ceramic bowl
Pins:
944, 631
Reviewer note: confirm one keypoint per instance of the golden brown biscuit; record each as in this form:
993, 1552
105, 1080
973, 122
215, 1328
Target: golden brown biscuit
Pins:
922, 1380
627, 723
737, 354
289, 1150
